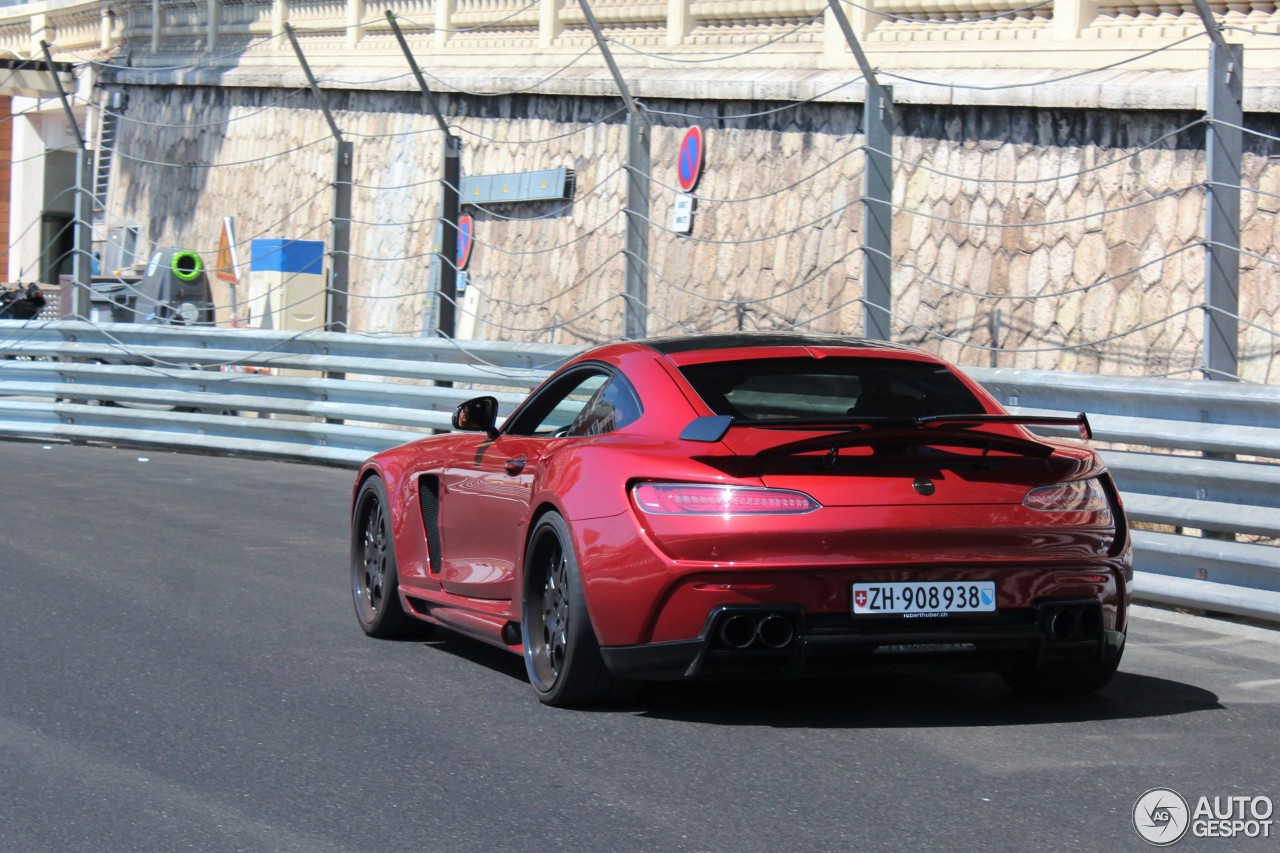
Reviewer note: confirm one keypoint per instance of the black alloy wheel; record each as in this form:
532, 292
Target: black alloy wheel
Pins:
374, 588
561, 652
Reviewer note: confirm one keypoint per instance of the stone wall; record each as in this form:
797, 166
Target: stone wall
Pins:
1085, 223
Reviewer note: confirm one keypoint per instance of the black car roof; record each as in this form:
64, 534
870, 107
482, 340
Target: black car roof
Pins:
689, 343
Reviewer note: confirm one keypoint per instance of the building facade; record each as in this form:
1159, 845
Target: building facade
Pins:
1048, 162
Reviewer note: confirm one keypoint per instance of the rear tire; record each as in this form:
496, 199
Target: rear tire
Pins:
561, 652
375, 589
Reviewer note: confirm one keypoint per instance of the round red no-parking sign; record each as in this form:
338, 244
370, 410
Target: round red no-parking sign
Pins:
689, 166
466, 227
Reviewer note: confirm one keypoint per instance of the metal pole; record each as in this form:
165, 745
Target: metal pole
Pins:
450, 212
859, 55
428, 97
636, 311
877, 215
82, 234
340, 260
340, 223
877, 192
450, 202
608, 56
639, 142
1224, 152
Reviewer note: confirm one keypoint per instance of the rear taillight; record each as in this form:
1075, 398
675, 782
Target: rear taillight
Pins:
1073, 496
705, 499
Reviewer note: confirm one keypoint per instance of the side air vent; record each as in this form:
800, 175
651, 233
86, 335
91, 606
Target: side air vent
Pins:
429, 499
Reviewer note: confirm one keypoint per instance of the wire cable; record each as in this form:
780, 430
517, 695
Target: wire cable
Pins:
250, 162
1067, 221
1143, 149
762, 113
1031, 297
1074, 76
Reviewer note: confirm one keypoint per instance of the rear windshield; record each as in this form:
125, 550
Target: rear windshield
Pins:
764, 389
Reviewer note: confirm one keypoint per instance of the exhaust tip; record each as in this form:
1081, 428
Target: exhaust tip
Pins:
775, 631
1090, 624
1061, 624
738, 631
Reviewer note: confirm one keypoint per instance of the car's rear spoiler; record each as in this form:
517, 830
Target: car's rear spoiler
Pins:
712, 428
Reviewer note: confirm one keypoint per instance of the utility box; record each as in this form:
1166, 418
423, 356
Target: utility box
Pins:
174, 291
287, 284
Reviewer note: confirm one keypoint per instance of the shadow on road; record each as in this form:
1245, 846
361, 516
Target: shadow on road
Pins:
917, 702
875, 701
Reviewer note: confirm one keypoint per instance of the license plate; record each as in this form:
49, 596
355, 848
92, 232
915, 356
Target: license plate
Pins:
929, 598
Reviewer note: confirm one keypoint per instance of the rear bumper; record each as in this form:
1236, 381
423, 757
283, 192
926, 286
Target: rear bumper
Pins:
1020, 640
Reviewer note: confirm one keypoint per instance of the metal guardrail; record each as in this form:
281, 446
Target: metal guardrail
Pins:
1190, 455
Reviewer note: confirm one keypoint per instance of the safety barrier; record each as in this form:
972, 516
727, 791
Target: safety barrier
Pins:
1189, 456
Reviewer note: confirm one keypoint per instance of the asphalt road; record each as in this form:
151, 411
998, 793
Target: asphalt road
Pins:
180, 670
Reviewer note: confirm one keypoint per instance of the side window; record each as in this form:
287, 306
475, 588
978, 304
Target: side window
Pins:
556, 407
614, 405
585, 402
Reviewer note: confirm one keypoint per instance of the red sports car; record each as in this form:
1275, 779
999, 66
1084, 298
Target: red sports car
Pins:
750, 505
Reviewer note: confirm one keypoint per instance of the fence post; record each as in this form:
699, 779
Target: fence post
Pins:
213, 23
877, 215
877, 191
450, 202
1224, 148
82, 235
1224, 151
340, 250
639, 139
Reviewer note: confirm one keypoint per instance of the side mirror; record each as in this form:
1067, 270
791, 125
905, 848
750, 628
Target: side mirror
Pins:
479, 414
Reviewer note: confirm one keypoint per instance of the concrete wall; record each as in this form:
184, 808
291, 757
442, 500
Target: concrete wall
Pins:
1110, 251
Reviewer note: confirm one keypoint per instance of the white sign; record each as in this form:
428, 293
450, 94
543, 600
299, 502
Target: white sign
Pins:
682, 213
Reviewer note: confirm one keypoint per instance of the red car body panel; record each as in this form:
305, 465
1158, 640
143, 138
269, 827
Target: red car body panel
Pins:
657, 580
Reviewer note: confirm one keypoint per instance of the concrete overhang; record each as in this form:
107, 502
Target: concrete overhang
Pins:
30, 78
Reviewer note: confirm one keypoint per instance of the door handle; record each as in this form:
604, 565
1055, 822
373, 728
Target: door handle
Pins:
515, 466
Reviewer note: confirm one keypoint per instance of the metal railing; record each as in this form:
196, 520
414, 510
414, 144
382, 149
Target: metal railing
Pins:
1198, 463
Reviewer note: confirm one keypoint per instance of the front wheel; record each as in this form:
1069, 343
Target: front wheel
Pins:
374, 584
561, 652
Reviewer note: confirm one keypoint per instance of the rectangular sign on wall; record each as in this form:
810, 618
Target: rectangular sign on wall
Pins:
543, 185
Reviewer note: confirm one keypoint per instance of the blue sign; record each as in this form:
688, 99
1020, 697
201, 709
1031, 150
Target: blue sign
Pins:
690, 163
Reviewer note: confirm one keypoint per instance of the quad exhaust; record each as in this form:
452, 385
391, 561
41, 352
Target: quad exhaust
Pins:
756, 629
1065, 623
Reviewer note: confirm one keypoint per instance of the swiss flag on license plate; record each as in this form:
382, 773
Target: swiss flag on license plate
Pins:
860, 598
